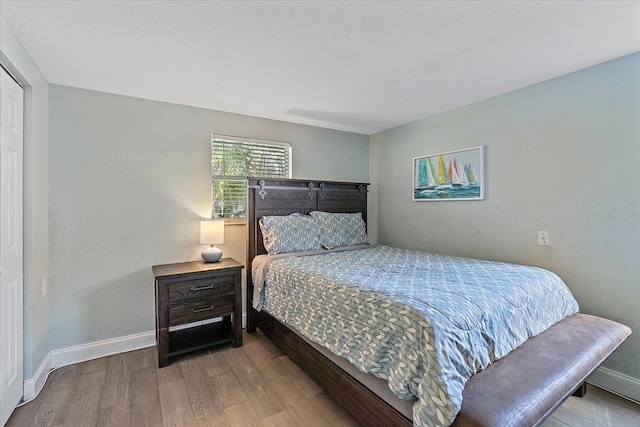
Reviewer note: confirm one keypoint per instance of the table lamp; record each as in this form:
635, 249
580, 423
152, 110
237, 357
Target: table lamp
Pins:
211, 233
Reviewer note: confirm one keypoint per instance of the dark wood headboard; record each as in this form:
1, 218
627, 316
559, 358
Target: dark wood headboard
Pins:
269, 196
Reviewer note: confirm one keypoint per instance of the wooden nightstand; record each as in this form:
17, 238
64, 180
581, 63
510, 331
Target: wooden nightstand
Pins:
195, 291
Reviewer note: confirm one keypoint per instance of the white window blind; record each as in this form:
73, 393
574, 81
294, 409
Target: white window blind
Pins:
235, 159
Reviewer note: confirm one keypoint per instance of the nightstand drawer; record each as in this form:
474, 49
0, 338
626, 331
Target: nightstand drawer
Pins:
201, 288
194, 310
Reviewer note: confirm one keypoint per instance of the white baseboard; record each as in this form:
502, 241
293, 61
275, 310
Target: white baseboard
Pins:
82, 353
32, 386
616, 383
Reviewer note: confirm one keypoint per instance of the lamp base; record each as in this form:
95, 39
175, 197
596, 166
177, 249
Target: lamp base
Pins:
211, 254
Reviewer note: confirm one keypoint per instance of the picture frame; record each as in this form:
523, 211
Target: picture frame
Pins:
452, 175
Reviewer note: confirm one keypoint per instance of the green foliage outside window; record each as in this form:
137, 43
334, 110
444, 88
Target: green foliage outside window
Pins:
233, 160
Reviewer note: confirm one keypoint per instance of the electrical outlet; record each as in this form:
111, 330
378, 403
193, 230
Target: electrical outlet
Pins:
543, 238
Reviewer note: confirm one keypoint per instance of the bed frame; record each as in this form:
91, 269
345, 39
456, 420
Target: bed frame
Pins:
522, 389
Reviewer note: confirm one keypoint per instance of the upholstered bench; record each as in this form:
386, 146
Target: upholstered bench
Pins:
526, 386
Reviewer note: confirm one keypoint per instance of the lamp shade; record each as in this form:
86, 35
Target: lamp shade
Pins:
211, 231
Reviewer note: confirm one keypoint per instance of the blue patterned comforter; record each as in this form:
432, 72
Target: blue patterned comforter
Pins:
423, 322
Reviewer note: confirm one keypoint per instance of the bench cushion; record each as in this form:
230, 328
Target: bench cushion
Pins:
526, 386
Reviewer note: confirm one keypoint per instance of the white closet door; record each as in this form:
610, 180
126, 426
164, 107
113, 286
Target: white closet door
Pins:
11, 268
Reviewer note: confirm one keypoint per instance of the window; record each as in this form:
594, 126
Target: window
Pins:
233, 160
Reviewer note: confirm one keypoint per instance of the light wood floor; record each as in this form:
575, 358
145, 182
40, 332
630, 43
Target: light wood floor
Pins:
255, 385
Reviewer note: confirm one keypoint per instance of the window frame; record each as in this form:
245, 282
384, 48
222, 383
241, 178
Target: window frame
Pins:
264, 159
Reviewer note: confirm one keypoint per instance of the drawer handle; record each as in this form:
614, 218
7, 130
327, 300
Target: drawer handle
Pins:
202, 288
198, 310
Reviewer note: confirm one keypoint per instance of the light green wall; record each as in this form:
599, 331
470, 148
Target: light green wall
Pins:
36, 196
130, 178
561, 156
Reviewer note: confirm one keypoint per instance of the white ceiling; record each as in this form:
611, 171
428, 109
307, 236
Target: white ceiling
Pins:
359, 66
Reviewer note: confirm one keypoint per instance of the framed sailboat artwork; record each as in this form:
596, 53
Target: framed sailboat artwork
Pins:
455, 175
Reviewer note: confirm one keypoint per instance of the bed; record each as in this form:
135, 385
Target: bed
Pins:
436, 401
